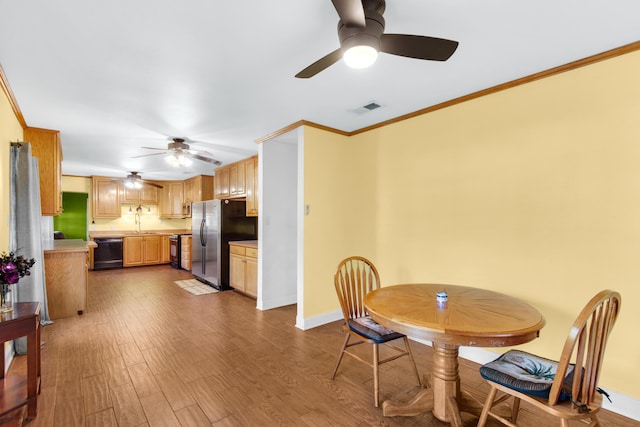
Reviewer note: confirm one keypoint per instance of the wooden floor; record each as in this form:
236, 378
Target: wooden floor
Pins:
147, 353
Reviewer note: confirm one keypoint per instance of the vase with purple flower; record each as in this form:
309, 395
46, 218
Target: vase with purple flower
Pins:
12, 268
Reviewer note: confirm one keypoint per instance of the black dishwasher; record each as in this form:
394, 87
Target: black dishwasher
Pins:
108, 254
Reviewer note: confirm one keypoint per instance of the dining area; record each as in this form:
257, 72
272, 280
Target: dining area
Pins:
448, 317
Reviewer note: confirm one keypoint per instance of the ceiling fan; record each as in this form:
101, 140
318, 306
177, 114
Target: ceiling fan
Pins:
361, 34
178, 153
134, 180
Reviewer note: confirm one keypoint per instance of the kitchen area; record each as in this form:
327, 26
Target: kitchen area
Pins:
205, 224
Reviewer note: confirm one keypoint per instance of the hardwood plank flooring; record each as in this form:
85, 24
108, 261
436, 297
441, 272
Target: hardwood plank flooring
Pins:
147, 353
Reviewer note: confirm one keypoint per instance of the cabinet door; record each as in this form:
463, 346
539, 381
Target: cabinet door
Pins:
251, 174
148, 195
171, 199
151, 250
236, 271
221, 183
130, 195
190, 186
165, 250
106, 198
251, 277
132, 251
237, 180
45, 145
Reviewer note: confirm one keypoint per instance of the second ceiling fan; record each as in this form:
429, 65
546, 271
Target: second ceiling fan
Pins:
361, 34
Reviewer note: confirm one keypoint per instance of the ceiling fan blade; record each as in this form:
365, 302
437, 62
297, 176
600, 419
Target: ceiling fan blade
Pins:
146, 155
153, 148
419, 47
153, 184
320, 64
351, 12
206, 159
200, 152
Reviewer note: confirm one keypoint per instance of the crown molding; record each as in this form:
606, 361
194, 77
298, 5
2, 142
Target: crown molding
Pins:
12, 99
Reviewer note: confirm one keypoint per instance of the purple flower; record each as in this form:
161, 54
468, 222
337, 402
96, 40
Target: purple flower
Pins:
12, 277
9, 268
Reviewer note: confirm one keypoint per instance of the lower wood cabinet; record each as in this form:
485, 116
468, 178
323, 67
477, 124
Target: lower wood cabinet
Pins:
243, 268
66, 275
185, 252
142, 250
165, 250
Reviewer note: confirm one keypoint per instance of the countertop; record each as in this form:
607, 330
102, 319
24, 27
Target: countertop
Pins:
245, 243
128, 233
67, 245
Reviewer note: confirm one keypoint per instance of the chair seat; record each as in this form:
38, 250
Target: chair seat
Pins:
526, 373
369, 328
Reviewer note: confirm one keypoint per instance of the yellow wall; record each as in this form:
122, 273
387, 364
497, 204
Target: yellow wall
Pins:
533, 191
126, 222
10, 131
325, 229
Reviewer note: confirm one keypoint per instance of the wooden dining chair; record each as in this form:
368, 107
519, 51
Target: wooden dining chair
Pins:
554, 387
356, 277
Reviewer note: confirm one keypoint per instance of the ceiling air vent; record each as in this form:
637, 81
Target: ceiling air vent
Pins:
366, 108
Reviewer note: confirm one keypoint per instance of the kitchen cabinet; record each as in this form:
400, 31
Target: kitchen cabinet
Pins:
106, 197
221, 183
237, 179
165, 249
147, 195
185, 252
171, 199
141, 250
197, 189
66, 267
45, 145
251, 184
243, 267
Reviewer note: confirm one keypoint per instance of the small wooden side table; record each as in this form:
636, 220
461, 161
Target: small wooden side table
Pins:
17, 391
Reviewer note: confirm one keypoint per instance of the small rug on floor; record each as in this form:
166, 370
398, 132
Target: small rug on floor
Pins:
195, 287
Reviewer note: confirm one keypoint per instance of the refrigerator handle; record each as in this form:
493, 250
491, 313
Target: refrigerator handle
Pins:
203, 237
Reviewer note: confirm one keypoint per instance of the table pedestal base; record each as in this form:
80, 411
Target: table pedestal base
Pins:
443, 397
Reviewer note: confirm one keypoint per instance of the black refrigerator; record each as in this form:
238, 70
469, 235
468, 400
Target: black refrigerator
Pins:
214, 224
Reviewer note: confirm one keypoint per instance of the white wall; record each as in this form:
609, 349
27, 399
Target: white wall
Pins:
277, 223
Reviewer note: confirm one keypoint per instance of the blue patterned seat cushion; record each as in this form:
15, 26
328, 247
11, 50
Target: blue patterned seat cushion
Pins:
526, 373
369, 328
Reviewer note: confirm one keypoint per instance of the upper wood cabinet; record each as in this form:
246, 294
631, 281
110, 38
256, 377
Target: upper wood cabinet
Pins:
221, 183
196, 189
171, 199
251, 183
106, 197
45, 145
239, 180
147, 195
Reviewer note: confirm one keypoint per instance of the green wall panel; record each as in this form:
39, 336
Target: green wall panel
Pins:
73, 219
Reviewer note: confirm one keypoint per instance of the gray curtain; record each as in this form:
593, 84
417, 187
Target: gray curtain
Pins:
24, 231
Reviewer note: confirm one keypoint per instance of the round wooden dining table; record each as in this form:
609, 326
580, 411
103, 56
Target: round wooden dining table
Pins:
470, 317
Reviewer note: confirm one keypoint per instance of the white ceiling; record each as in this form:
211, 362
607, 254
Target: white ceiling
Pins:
114, 76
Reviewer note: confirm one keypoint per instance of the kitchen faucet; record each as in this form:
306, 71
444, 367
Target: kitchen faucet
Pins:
137, 220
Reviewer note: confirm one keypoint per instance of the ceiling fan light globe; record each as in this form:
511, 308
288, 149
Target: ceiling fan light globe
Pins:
184, 160
361, 56
137, 185
172, 159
